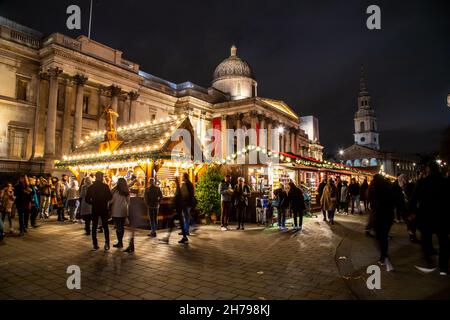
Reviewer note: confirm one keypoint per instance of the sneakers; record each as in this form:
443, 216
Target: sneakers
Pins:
425, 269
388, 264
152, 234
443, 273
183, 240
223, 229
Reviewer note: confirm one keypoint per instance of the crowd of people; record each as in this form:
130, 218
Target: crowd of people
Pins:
420, 203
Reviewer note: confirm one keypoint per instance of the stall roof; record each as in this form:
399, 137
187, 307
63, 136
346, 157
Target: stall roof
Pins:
147, 140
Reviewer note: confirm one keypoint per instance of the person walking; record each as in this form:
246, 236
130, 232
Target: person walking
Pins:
98, 195
338, 193
57, 198
226, 192
8, 200
73, 199
178, 209
354, 191
383, 203
364, 194
152, 198
86, 208
297, 205
22, 191
319, 196
328, 200
282, 204
188, 202
410, 213
344, 197
240, 199
430, 198
119, 209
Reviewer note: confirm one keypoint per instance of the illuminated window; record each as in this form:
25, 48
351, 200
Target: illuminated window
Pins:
18, 143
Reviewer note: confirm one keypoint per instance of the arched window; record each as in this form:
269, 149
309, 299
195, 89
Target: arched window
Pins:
357, 163
373, 162
362, 126
349, 163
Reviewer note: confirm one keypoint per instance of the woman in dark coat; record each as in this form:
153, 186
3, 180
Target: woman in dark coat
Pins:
297, 204
382, 202
240, 201
281, 205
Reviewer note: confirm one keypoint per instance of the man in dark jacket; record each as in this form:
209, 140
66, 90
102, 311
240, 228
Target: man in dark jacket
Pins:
188, 203
282, 204
98, 195
354, 192
319, 196
240, 200
297, 204
433, 217
22, 192
153, 197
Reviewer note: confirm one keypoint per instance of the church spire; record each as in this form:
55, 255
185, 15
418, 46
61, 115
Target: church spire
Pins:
362, 83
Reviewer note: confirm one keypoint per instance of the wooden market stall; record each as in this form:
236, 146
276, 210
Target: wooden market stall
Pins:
161, 149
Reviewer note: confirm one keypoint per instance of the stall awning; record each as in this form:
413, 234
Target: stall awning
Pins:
169, 138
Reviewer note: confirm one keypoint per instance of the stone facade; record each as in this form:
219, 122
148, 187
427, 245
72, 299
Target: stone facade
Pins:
53, 91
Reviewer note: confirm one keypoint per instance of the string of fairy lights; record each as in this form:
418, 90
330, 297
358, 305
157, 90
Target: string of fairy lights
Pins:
152, 152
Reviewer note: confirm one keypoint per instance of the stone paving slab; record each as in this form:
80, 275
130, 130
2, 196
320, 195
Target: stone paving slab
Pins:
253, 264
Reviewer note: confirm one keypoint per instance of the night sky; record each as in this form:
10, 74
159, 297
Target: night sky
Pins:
307, 53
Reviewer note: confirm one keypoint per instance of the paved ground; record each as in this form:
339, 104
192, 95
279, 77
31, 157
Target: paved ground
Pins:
253, 264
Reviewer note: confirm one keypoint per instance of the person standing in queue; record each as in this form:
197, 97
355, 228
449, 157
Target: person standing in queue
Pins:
297, 204
98, 195
119, 209
152, 198
22, 192
86, 208
364, 194
354, 190
281, 203
188, 202
226, 193
240, 200
328, 200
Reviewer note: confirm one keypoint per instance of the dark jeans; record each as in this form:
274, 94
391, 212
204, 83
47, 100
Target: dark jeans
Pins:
298, 215
281, 217
382, 234
60, 213
427, 245
87, 222
120, 228
226, 211
104, 218
186, 219
33, 215
171, 223
153, 216
331, 214
241, 212
21, 213
4, 214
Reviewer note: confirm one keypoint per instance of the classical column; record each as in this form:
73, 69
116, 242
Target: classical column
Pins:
294, 141
67, 118
37, 115
50, 133
262, 131
80, 81
253, 123
115, 92
133, 105
102, 91
269, 133
240, 138
224, 136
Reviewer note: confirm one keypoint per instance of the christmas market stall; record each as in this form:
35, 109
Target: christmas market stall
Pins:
162, 149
